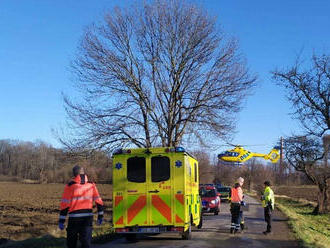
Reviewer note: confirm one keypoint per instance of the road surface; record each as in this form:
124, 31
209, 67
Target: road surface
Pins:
215, 233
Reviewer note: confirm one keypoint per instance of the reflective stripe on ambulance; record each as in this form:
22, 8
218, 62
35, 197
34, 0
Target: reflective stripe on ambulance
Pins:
118, 217
161, 210
136, 209
179, 208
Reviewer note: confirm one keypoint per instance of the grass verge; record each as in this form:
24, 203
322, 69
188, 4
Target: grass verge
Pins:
101, 234
312, 230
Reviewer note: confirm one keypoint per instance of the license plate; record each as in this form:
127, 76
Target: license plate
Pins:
149, 230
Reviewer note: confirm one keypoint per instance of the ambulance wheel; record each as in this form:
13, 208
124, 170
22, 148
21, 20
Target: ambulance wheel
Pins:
200, 222
216, 212
186, 235
130, 237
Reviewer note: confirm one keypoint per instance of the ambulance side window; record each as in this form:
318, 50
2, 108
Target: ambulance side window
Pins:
195, 172
160, 169
136, 170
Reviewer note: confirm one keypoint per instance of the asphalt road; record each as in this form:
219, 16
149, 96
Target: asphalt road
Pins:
215, 232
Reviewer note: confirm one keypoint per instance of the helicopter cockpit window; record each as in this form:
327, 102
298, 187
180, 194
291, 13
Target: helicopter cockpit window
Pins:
231, 154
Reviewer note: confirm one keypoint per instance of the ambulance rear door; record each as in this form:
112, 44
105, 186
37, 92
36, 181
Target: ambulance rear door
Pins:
136, 190
160, 189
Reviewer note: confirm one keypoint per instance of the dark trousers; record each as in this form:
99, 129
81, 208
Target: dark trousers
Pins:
268, 218
235, 215
79, 228
241, 219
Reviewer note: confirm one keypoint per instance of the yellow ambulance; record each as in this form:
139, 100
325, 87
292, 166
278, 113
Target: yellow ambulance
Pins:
155, 190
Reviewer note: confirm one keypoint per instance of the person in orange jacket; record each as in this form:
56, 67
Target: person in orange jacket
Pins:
77, 201
235, 206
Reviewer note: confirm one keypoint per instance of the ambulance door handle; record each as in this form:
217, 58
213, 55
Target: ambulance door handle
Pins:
153, 191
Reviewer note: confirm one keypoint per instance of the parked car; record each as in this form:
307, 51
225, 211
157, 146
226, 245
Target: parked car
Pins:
210, 199
225, 192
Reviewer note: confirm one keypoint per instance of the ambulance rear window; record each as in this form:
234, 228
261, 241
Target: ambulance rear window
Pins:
160, 169
136, 170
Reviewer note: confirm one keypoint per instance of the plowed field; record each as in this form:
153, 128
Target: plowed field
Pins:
31, 210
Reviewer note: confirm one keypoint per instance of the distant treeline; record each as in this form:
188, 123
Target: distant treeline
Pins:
40, 162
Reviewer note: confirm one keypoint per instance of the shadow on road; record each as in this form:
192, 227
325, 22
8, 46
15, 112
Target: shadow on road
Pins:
262, 219
212, 230
206, 229
156, 237
254, 219
278, 220
262, 242
254, 204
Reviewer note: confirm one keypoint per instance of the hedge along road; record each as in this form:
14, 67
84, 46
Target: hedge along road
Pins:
215, 232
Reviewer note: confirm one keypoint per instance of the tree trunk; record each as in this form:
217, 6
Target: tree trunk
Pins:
323, 198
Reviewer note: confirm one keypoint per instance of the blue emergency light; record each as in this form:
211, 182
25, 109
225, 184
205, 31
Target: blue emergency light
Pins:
179, 149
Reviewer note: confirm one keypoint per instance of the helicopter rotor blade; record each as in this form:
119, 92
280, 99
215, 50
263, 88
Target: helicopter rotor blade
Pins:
246, 145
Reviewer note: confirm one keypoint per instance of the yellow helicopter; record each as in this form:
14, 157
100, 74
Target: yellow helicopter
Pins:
239, 155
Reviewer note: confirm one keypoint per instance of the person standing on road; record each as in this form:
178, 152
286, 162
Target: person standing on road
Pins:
235, 206
268, 201
77, 200
240, 180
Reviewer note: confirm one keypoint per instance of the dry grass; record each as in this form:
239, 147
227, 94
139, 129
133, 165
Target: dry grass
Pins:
307, 192
312, 230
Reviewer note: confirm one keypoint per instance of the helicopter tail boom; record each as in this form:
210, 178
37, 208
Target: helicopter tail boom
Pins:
273, 155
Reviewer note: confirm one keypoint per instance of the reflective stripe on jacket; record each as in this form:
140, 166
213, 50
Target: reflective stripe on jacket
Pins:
268, 197
78, 198
236, 195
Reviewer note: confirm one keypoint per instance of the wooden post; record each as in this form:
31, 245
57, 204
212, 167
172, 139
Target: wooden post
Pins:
281, 161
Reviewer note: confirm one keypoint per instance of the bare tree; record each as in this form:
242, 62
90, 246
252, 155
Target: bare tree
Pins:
206, 170
226, 174
152, 74
41, 162
309, 92
305, 154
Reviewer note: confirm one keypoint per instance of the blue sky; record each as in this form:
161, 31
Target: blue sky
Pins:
39, 37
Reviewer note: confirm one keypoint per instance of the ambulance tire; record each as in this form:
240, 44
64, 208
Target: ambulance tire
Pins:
130, 237
216, 212
187, 234
200, 222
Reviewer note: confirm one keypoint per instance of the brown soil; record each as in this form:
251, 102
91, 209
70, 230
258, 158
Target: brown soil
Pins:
31, 210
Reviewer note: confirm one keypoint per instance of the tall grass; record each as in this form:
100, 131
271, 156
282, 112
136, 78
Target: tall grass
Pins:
312, 230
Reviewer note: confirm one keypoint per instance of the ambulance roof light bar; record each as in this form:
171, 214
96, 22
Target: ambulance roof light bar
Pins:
121, 151
175, 149
179, 149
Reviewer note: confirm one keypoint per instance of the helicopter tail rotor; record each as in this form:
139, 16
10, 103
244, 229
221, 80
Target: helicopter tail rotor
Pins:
273, 155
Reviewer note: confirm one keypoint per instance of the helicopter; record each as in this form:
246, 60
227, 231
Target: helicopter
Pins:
239, 155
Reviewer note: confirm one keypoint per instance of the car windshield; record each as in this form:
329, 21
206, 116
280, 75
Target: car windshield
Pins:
224, 189
208, 192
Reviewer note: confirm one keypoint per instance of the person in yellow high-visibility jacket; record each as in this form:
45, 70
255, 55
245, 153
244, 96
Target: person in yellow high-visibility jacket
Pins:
268, 202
